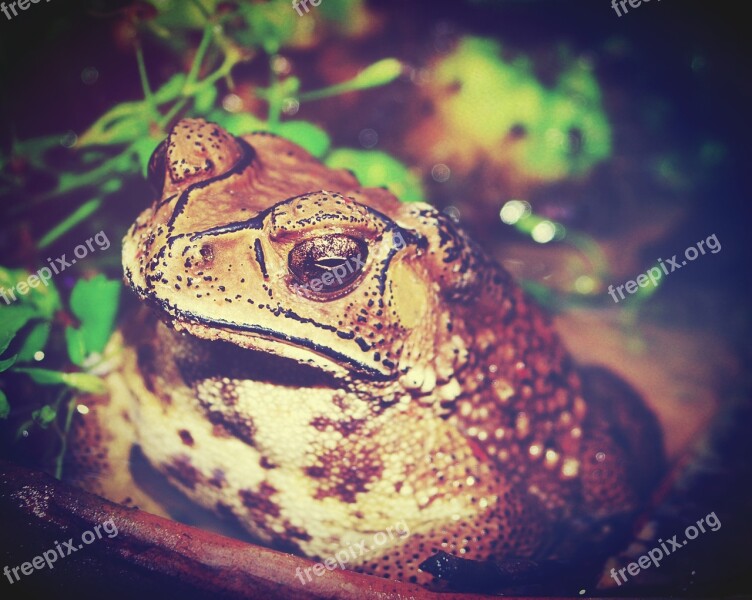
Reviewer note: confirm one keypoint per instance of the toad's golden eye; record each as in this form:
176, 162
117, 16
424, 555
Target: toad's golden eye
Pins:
340, 256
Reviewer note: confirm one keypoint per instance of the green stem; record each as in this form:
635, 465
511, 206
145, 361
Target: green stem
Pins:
176, 108
273, 97
333, 90
145, 87
198, 59
78, 215
119, 163
201, 9
64, 435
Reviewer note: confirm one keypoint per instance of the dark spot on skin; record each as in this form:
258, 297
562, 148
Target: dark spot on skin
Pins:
297, 533
182, 471
316, 472
218, 478
266, 463
260, 502
186, 437
346, 427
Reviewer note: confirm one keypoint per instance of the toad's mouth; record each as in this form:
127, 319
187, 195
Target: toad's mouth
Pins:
303, 351
220, 360
275, 361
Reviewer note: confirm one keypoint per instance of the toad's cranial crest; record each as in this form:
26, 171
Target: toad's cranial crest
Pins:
317, 361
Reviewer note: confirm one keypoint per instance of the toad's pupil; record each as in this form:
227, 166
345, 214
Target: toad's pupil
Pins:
330, 263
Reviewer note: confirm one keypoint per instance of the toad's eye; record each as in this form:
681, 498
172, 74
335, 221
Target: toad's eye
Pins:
329, 263
155, 173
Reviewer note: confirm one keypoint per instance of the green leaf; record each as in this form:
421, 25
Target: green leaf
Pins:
43, 376
74, 340
12, 319
204, 100
8, 363
82, 381
379, 73
78, 215
171, 89
271, 24
374, 169
125, 130
4, 406
34, 342
100, 131
85, 382
95, 303
238, 123
45, 297
111, 186
312, 138
44, 416
181, 14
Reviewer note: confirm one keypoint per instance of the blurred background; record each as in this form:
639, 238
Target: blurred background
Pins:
576, 146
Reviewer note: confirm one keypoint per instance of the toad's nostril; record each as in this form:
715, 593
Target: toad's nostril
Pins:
207, 252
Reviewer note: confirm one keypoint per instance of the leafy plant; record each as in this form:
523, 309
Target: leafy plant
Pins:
116, 148
25, 331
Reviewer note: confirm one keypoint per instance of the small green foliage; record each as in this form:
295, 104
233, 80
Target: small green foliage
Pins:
81, 381
374, 168
44, 416
8, 363
268, 25
95, 303
379, 73
309, 136
4, 406
565, 128
116, 149
76, 345
35, 341
238, 123
27, 325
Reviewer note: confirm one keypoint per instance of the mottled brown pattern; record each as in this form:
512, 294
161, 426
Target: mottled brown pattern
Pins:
421, 381
259, 502
186, 437
182, 471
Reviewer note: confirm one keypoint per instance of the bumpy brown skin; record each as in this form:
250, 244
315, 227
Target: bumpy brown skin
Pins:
423, 394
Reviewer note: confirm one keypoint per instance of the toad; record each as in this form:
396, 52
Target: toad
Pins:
318, 361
